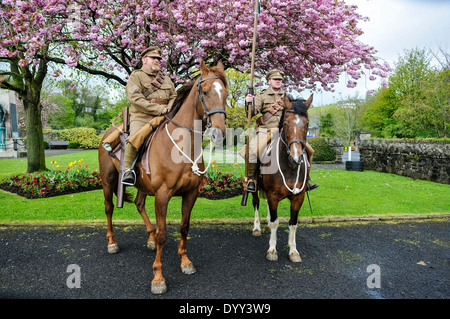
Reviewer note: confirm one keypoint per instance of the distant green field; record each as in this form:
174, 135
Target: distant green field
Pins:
341, 193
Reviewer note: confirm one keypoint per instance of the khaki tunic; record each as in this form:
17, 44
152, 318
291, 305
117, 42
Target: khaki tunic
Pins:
265, 131
263, 101
143, 109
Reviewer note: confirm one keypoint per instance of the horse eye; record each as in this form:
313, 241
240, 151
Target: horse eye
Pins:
205, 93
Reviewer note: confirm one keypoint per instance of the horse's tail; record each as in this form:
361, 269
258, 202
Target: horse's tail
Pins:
262, 193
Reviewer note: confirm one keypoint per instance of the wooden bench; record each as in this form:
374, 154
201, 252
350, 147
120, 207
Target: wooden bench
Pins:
53, 145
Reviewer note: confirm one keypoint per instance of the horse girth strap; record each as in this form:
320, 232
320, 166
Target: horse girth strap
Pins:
206, 112
156, 85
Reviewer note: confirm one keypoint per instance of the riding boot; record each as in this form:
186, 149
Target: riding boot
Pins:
251, 185
310, 151
129, 176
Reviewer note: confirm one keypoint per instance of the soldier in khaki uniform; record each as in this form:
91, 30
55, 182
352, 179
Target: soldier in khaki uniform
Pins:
270, 104
151, 94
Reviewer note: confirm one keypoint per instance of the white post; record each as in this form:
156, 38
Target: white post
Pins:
349, 153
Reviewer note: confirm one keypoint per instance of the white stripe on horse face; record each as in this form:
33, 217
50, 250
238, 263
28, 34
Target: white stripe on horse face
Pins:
218, 89
295, 153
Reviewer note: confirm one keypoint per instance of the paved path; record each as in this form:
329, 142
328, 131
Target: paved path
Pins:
413, 259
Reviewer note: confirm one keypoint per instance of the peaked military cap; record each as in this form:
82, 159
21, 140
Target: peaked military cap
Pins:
275, 74
153, 52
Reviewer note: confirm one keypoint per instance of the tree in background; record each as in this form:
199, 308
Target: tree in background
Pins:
237, 84
410, 107
312, 41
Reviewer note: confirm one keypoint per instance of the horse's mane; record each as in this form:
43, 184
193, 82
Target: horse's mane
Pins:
184, 91
182, 94
297, 107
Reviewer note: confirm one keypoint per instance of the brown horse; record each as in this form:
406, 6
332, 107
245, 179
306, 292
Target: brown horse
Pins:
172, 174
289, 179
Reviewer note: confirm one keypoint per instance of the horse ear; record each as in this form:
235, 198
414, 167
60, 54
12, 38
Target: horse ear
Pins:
203, 68
220, 65
308, 102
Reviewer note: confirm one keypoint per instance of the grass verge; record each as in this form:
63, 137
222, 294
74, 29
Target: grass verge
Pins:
341, 193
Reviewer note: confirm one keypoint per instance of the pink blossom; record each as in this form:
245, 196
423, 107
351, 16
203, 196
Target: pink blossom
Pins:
313, 41
71, 62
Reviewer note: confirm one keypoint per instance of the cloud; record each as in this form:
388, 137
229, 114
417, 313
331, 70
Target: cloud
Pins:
393, 27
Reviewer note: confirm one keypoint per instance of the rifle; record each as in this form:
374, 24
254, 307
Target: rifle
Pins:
250, 104
123, 140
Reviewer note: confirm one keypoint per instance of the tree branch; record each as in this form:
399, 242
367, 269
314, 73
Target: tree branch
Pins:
88, 70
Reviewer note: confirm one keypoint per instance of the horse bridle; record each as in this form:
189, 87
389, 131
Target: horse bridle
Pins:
206, 113
296, 141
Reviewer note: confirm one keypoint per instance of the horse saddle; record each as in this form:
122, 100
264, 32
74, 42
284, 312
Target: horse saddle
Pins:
142, 154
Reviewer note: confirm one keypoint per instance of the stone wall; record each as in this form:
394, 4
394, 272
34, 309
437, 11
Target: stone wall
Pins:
338, 145
418, 159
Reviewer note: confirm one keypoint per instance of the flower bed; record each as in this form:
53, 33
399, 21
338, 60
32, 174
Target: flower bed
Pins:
77, 178
218, 185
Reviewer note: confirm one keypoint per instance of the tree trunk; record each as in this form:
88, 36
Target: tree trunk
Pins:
35, 139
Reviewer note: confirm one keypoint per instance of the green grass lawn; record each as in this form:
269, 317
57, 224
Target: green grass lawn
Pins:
341, 193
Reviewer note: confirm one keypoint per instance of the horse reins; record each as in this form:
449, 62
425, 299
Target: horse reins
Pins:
206, 116
294, 190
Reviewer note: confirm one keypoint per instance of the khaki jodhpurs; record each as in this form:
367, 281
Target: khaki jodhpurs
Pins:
130, 151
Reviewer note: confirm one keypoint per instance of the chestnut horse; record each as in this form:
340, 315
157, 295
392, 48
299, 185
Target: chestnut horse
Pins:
200, 101
290, 179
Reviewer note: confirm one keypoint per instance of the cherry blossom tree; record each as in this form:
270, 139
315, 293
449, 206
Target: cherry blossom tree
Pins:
313, 41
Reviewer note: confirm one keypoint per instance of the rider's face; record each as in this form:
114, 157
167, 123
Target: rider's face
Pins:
275, 83
152, 64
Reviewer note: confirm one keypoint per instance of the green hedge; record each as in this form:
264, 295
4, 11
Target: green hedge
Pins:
323, 151
82, 137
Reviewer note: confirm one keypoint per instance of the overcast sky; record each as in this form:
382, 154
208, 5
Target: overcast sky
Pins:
395, 26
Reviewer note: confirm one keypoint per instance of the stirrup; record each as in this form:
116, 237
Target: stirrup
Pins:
251, 186
312, 187
129, 183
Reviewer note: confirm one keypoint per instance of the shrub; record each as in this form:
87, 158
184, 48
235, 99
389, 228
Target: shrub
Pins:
323, 151
85, 137
73, 144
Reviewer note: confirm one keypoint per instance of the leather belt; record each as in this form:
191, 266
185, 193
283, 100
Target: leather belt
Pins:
159, 101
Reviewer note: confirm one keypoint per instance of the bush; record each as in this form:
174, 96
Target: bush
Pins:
79, 137
323, 151
73, 145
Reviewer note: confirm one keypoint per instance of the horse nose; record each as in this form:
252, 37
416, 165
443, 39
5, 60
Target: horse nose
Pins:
216, 136
296, 154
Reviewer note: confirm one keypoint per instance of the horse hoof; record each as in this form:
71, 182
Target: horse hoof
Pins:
188, 269
151, 245
113, 248
295, 257
159, 287
257, 233
272, 255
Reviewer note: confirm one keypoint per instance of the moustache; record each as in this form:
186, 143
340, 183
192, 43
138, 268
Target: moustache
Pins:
156, 66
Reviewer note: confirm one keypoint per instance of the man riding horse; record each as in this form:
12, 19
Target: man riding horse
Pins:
151, 94
270, 103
